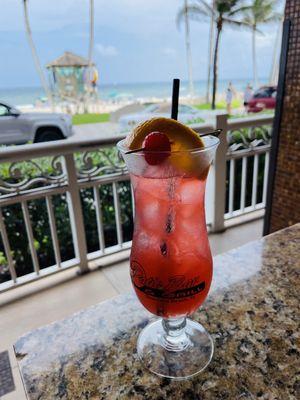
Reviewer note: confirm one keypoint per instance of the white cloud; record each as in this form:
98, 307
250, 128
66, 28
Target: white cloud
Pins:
169, 51
106, 51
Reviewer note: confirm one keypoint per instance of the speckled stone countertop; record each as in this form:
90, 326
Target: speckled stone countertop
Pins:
252, 313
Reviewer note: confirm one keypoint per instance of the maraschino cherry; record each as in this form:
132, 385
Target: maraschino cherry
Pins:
156, 146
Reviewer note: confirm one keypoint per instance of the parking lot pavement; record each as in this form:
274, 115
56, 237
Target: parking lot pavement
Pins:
100, 130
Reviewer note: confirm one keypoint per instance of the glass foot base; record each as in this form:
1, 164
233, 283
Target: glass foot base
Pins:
177, 357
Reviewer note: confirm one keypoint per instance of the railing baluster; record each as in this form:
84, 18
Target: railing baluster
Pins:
30, 237
254, 181
53, 231
99, 217
7, 249
266, 172
231, 185
243, 183
117, 213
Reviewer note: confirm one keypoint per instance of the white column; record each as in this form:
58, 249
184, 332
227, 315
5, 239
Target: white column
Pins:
76, 214
219, 177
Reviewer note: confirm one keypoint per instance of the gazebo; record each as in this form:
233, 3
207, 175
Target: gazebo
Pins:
72, 79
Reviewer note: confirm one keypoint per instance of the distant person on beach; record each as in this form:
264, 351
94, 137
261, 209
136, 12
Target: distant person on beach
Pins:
229, 97
247, 96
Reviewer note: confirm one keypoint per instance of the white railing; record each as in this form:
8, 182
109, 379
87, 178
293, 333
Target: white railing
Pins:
251, 152
52, 174
243, 151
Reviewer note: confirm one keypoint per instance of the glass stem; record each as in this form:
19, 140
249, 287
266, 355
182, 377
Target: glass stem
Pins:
175, 337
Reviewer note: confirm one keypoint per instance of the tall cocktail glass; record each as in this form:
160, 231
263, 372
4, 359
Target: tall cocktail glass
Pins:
171, 262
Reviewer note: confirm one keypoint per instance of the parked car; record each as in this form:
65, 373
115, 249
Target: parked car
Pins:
186, 114
17, 127
263, 99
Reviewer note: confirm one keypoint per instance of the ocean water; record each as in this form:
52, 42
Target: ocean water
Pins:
30, 95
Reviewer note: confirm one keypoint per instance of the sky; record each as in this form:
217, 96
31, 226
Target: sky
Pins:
135, 41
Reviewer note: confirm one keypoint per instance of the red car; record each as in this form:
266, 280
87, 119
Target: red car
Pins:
263, 99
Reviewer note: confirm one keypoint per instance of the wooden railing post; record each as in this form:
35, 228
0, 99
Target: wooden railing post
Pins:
219, 177
76, 214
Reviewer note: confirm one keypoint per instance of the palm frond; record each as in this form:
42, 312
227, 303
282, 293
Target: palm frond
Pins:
258, 12
180, 16
242, 9
237, 24
195, 12
209, 9
226, 6
275, 17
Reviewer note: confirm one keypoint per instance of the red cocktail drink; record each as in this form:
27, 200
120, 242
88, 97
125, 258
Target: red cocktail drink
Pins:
171, 263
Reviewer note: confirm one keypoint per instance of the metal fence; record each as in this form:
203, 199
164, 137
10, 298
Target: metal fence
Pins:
37, 179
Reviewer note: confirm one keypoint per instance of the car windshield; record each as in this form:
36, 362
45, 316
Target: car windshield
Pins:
184, 109
151, 108
166, 109
3, 110
264, 92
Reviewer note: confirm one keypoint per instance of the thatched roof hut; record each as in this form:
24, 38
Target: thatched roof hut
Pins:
68, 59
71, 77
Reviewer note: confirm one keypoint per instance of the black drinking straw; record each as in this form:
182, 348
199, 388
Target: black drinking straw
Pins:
175, 99
174, 108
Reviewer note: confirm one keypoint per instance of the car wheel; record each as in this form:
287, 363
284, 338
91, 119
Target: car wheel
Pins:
48, 136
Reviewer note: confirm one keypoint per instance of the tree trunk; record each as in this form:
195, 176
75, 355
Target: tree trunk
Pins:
210, 53
188, 48
35, 56
273, 80
215, 66
91, 41
88, 95
255, 79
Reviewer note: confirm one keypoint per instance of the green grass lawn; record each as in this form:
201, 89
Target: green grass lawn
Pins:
264, 112
79, 119
221, 105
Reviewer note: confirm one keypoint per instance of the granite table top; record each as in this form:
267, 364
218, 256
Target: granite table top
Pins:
252, 312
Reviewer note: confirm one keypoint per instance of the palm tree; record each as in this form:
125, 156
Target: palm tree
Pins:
223, 13
34, 53
185, 11
90, 56
210, 51
91, 40
275, 59
258, 13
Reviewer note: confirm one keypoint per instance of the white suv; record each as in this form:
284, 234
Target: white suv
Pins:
17, 127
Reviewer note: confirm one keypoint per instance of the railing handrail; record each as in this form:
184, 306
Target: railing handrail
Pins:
247, 152
35, 150
249, 121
